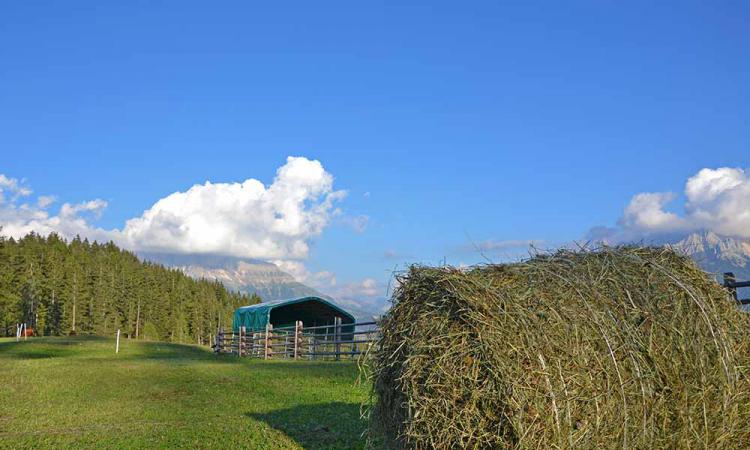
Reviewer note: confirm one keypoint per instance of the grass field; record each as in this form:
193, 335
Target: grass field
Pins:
76, 393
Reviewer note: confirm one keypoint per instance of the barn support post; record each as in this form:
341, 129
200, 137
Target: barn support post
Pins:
337, 337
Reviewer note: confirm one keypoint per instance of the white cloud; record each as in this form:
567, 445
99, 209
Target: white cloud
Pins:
646, 211
357, 223
45, 201
294, 268
366, 294
95, 207
324, 279
18, 218
247, 219
244, 219
14, 187
715, 199
360, 290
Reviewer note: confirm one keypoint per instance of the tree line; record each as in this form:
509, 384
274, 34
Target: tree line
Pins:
58, 287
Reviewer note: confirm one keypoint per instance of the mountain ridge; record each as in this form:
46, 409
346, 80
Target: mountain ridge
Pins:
252, 276
715, 253
712, 252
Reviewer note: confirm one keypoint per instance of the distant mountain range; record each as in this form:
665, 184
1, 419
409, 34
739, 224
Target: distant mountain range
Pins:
717, 254
249, 276
714, 253
252, 276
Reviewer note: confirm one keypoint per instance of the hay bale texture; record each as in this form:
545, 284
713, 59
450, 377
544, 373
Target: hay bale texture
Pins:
611, 348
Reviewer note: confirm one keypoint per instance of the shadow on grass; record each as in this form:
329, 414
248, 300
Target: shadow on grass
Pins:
43, 347
70, 346
320, 426
167, 351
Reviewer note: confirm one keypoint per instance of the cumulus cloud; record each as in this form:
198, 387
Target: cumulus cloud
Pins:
646, 211
715, 199
244, 219
247, 219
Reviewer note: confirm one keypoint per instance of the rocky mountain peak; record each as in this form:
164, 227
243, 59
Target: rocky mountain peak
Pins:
716, 253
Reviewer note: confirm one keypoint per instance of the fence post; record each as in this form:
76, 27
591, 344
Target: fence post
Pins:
242, 343
312, 340
267, 352
117, 344
729, 281
337, 337
252, 344
296, 338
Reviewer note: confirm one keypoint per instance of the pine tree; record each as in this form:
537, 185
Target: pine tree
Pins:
75, 287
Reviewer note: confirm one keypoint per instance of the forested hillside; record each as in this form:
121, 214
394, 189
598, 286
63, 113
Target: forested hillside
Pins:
78, 287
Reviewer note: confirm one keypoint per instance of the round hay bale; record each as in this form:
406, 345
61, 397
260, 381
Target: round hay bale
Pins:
625, 347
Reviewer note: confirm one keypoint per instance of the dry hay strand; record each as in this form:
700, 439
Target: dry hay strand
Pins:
618, 347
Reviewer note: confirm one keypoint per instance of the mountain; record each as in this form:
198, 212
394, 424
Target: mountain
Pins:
248, 276
252, 276
717, 254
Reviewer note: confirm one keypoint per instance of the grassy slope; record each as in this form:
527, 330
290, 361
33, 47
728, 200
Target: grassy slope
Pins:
75, 392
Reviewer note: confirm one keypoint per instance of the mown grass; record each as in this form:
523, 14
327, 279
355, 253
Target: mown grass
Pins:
76, 393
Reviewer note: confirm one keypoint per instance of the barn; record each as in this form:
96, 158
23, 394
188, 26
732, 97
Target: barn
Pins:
312, 311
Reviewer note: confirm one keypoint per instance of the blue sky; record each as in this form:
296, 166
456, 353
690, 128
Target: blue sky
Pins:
446, 123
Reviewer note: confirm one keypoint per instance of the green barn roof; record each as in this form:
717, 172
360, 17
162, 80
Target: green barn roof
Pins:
312, 311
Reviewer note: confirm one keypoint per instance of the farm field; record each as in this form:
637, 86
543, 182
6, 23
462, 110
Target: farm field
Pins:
74, 392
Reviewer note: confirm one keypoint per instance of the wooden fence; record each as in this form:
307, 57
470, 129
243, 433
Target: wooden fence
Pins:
731, 283
335, 341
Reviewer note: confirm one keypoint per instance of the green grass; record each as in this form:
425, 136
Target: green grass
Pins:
76, 393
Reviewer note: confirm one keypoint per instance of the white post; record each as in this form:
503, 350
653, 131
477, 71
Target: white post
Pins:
18, 332
117, 345
239, 345
269, 334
